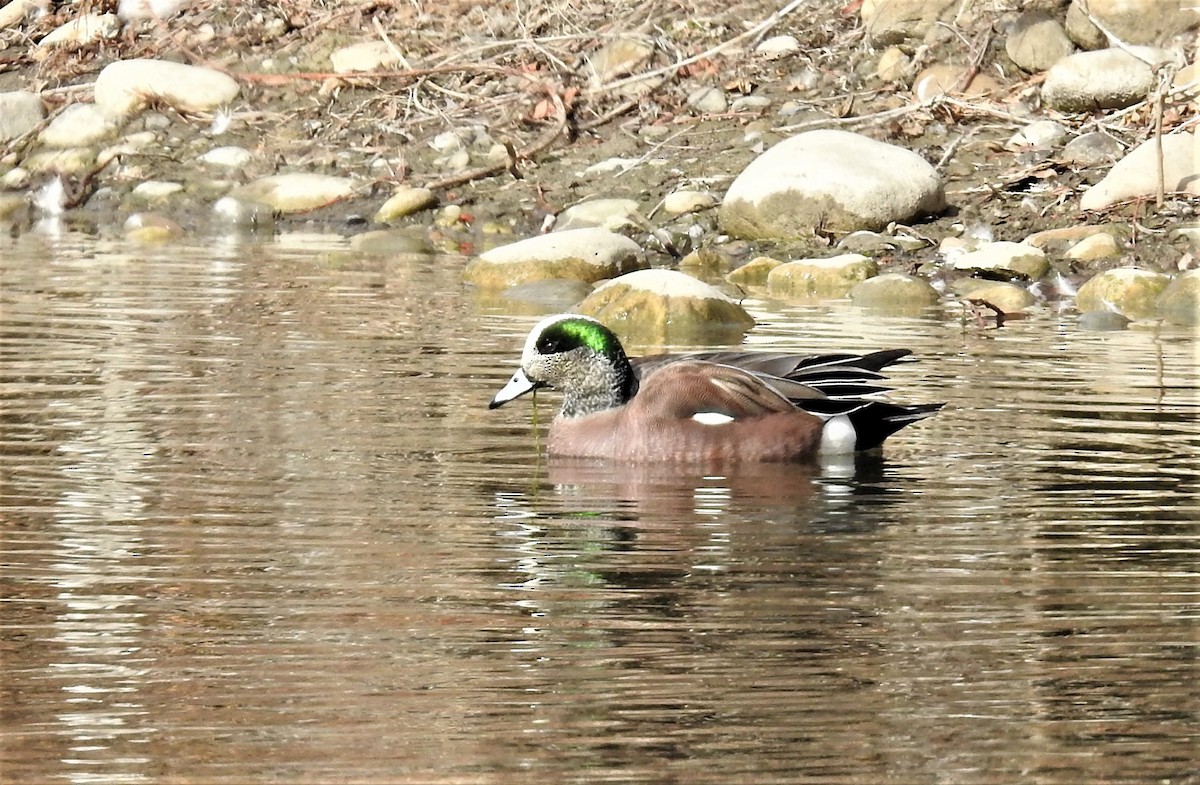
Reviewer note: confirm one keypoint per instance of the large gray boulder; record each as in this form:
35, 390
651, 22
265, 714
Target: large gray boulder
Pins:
832, 180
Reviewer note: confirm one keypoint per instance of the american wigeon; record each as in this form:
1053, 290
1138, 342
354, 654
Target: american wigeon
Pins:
705, 406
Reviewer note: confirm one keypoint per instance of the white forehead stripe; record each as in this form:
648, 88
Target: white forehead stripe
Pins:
531, 341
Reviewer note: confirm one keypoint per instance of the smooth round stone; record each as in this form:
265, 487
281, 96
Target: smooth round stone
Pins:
389, 242
75, 160
1037, 42
1012, 257
753, 272
837, 180
1098, 246
228, 157
135, 10
156, 190
296, 192
942, 79
893, 65
589, 254
1042, 133
617, 58
127, 86
83, 29
708, 100
1092, 149
365, 56
243, 213
750, 103
1136, 175
12, 205
1102, 321
1105, 79
20, 113
1007, 297
1131, 291
683, 202
666, 306
610, 214
1179, 303
78, 125
778, 46
899, 292
151, 228
831, 277
872, 243
404, 202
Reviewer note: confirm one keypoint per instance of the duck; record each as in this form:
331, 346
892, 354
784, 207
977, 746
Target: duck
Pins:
728, 406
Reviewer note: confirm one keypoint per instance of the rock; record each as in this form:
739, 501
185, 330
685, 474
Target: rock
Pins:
14, 12
243, 213
73, 160
1094, 247
834, 180
12, 206
1104, 79
1133, 21
135, 10
749, 103
665, 306
1136, 175
899, 292
683, 202
831, 277
1037, 41
151, 228
1041, 133
1188, 235
20, 113
876, 243
705, 259
127, 86
778, 46
405, 201
1007, 297
617, 58
1092, 149
708, 100
390, 242
578, 254
365, 56
753, 272
1102, 321
942, 79
83, 29
893, 65
1010, 257
1064, 237
1179, 303
610, 214
897, 21
295, 192
78, 125
155, 191
228, 157
1130, 291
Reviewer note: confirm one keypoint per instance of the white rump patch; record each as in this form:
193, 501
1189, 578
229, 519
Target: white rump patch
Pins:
838, 437
711, 418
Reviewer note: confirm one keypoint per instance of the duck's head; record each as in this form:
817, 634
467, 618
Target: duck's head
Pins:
577, 356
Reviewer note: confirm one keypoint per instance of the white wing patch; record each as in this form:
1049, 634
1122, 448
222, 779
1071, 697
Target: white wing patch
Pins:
711, 418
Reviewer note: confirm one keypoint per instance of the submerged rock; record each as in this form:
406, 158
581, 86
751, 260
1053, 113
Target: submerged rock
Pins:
1179, 303
665, 306
834, 180
754, 272
1130, 291
578, 254
831, 277
895, 292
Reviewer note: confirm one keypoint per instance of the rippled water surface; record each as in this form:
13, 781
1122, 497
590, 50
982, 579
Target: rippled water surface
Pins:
259, 526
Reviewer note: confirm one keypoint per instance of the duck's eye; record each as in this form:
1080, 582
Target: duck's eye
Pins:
553, 343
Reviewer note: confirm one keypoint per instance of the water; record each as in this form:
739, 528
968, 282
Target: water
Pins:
259, 526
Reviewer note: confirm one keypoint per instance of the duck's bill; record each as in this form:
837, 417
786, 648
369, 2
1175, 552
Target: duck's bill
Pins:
517, 386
